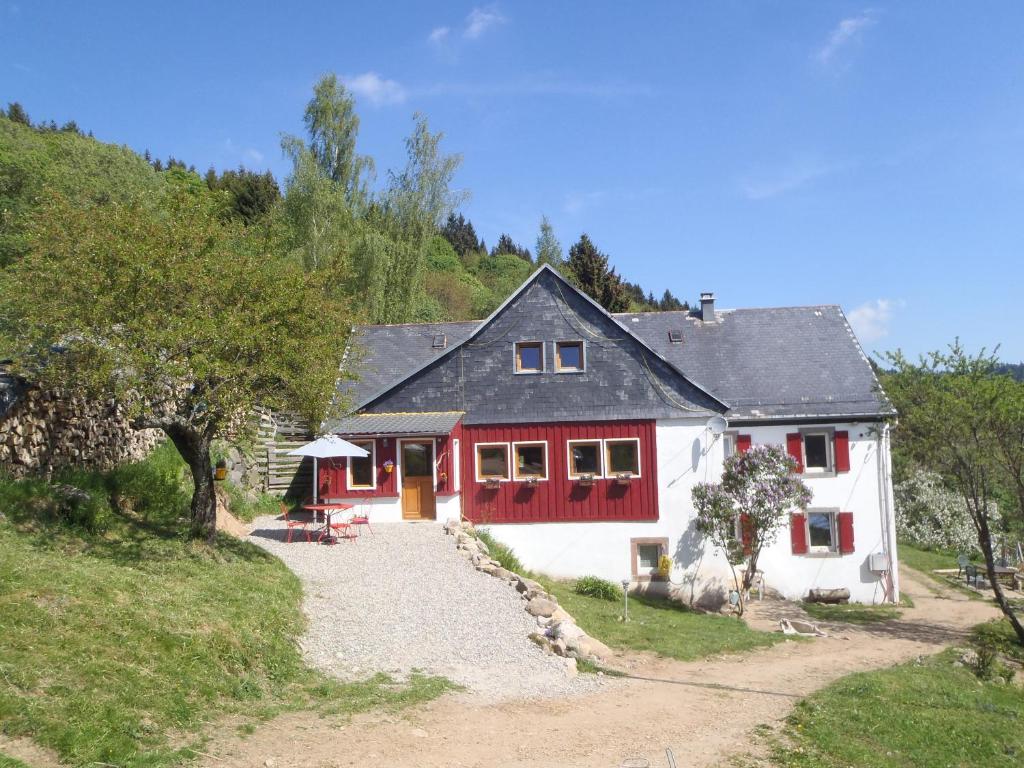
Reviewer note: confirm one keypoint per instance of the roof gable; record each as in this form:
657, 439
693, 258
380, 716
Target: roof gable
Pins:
624, 377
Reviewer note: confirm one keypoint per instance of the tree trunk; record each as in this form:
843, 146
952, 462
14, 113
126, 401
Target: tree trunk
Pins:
194, 447
985, 539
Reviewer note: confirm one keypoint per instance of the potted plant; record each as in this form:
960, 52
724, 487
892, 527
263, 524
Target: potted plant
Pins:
220, 469
587, 478
389, 466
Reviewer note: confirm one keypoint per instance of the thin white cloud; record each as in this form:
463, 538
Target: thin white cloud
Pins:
539, 86
377, 90
788, 179
253, 155
871, 320
576, 202
480, 20
438, 35
846, 32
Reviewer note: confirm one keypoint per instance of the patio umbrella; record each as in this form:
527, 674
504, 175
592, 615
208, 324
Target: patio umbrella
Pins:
327, 447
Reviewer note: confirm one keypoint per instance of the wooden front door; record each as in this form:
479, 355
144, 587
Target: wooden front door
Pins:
418, 501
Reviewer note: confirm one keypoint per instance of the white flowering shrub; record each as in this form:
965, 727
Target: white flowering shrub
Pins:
931, 516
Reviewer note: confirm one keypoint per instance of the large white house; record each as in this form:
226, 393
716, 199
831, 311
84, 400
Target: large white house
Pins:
577, 435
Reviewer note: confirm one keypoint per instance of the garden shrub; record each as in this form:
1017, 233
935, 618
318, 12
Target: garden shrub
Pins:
602, 589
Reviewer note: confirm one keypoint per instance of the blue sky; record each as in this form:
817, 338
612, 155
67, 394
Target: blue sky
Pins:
870, 155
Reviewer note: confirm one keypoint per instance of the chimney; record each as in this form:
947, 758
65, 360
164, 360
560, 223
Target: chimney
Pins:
707, 307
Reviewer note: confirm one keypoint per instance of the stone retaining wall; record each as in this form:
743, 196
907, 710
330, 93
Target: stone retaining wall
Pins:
42, 431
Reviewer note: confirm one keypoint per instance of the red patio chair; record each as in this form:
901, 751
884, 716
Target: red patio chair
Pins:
362, 517
293, 524
338, 531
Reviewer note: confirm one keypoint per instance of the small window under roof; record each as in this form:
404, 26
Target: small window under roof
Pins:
676, 337
440, 341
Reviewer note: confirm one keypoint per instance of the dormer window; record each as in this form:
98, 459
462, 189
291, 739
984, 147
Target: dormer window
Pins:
676, 337
530, 357
569, 357
440, 341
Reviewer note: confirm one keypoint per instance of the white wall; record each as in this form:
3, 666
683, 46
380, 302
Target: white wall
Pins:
687, 454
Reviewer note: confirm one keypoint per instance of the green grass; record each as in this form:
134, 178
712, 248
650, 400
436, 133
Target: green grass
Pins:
999, 635
661, 626
10, 762
927, 560
912, 715
121, 640
854, 613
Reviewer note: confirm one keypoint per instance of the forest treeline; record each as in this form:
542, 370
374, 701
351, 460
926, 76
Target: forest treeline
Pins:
397, 248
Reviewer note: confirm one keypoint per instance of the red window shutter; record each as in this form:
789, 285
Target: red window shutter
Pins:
845, 533
795, 448
747, 534
742, 443
798, 533
842, 451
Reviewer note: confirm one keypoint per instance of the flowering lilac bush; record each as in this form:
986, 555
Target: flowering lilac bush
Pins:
931, 516
757, 493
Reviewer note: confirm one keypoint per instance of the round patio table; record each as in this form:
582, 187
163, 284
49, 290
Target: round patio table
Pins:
328, 509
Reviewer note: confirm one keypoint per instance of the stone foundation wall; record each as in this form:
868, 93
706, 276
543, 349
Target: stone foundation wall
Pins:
41, 432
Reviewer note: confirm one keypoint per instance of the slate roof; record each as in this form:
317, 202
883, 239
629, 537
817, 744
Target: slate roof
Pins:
434, 423
765, 364
785, 362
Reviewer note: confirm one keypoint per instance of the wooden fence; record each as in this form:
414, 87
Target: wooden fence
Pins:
277, 434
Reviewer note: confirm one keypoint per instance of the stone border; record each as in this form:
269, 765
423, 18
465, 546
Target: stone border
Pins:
557, 631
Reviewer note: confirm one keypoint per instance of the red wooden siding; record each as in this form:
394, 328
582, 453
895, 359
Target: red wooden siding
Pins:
334, 477
742, 443
559, 499
445, 459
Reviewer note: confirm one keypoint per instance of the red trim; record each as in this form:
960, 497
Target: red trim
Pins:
842, 451
798, 533
846, 533
742, 443
560, 499
795, 448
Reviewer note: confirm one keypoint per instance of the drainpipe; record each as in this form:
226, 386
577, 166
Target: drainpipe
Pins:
888, 510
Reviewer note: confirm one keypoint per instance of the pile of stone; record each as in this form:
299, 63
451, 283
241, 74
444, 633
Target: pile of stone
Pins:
556, 631
42, 431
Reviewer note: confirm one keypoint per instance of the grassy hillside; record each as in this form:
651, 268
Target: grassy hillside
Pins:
32, 161
120, 641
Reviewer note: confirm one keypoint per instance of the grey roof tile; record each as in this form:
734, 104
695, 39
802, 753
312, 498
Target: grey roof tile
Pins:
430, 423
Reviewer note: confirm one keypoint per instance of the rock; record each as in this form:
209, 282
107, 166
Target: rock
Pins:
451, 526
482, 546
587, 647
559, 646
269, 762
419, 733
486, 568
541, 607
543, 621
570, 667
561, 614
500, 573
969, 658
565, 630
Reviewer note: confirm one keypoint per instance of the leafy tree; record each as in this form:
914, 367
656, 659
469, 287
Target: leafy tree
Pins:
549, 250
253, 195
757, 493
507, 245
177, 314
964, 420
332, 126
593, 275
930, 515
17, 114
459, 231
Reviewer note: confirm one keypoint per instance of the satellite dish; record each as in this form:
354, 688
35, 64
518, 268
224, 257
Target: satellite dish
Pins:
717, 425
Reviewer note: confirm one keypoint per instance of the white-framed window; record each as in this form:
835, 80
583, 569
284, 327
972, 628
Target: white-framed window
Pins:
819, 454
584, 458
456, 466
570, 357
622, 456
362, 470
728, 444
530, 460
529, 357
822, 530
491, 461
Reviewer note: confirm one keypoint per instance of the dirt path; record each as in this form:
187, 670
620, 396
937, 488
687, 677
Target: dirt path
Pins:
705, 711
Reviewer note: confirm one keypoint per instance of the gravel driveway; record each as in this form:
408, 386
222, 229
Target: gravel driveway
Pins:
402, 599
